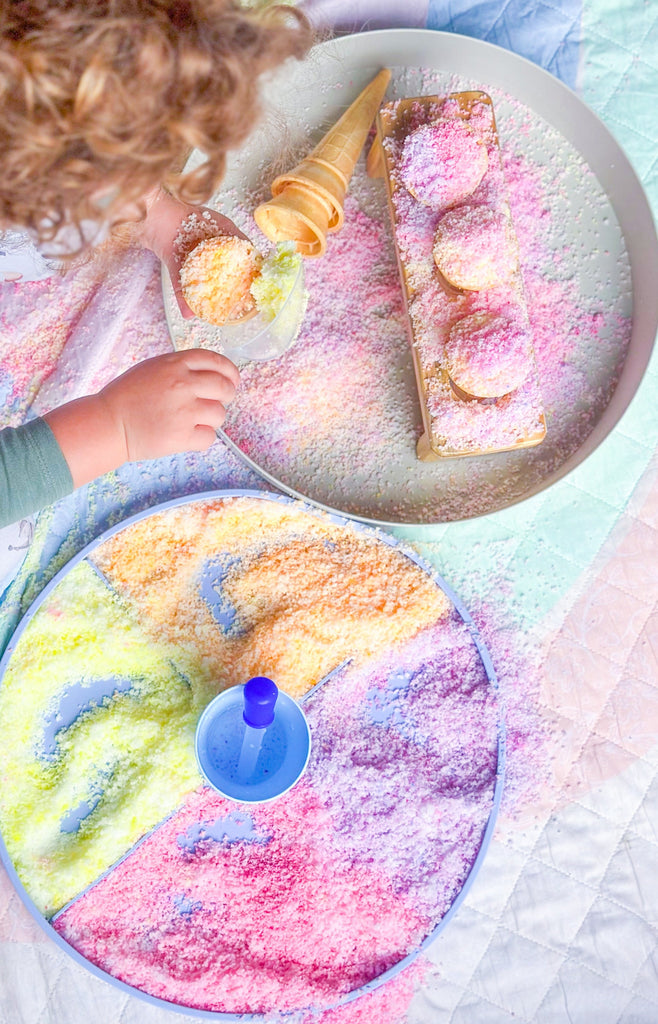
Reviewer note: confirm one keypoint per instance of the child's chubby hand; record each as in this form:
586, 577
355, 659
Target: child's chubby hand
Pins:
171, 403
161, 232
167, 404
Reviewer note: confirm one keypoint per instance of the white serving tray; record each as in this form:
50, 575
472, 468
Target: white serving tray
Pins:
601, 212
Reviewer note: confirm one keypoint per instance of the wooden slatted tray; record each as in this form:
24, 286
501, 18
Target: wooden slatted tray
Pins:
454, 423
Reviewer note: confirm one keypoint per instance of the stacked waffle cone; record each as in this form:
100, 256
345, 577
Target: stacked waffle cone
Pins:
307, 202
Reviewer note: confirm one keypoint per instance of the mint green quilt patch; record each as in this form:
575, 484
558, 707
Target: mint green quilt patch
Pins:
619, 78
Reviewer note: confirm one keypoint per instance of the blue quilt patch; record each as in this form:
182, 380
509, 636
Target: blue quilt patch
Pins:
546, 33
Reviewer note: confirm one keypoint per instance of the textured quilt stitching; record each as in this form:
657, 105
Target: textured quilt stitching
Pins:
564, 954
468, 987
595, 887
648, 605
60, 970
574, 22
614, 44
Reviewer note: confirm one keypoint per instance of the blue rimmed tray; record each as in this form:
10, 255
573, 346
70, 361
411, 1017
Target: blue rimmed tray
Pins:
389, 698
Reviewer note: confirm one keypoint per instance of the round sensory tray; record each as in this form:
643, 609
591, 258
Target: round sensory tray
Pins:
336, 419
156, 882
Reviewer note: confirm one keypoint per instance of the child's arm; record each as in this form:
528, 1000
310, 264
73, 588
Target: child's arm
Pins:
166, 404
33, 471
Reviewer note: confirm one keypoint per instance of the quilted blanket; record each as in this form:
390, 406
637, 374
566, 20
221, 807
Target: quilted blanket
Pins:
560, 924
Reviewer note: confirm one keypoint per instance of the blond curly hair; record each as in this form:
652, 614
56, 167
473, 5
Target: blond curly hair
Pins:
100, 100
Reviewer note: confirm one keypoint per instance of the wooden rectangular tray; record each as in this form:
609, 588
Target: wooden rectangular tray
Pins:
394, 122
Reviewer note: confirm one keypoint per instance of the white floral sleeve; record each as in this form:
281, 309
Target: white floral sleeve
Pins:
20, 260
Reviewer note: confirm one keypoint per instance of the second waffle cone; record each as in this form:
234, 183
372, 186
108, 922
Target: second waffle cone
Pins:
304, 196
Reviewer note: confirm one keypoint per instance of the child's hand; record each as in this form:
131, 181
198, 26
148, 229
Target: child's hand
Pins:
161, 232
171, 403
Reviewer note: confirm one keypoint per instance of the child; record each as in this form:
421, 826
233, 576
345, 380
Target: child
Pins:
101, 101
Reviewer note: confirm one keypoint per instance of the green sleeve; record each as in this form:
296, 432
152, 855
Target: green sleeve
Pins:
33, 470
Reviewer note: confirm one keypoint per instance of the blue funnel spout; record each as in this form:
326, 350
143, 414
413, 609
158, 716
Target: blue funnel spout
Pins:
260, 695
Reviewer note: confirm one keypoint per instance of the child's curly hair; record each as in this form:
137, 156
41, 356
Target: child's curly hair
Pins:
106, 97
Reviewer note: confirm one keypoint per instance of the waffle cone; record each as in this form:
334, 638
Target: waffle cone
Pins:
317, 179
297, 214
327, 170
341, 146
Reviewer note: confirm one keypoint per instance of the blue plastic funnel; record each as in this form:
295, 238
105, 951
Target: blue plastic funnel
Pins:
252, 742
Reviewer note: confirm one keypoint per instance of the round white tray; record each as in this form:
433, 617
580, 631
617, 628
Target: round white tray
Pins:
601, 217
